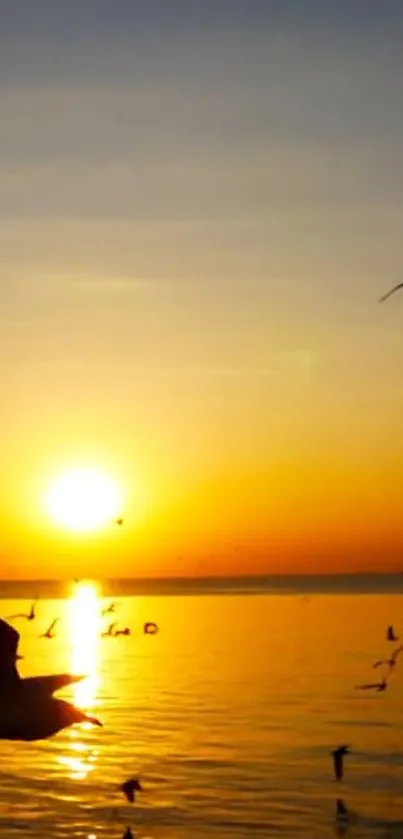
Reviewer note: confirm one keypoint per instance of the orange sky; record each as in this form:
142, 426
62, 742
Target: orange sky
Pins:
195, 231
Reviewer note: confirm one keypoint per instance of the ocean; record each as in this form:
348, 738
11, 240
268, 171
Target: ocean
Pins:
227, 715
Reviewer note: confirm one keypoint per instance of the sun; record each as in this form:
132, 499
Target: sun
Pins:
83, 500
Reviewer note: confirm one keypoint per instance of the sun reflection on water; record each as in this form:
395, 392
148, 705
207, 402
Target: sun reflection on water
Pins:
85, 627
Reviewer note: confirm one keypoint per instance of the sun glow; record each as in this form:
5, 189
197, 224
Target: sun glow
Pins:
85, 628
83, 500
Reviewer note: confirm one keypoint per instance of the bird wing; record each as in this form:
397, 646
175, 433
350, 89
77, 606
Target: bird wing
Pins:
380, 662
9, 640
53, 624
396, 652
368, 687
390, 292
48, 685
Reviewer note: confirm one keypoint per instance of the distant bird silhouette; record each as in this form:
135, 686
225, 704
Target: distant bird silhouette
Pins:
390, 662
50, 631
389, 293
130, 787
150, 628
338, 755
28, 710
125, 631
379, 686
128, 834
119, 521
30, 616
390, 634
109, 633
108, 609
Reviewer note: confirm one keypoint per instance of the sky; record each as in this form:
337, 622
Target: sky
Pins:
201, 205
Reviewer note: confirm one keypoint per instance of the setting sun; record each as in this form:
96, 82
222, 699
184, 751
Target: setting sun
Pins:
83, 500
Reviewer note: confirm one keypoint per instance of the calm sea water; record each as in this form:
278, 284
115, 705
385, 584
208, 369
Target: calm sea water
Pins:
227, 716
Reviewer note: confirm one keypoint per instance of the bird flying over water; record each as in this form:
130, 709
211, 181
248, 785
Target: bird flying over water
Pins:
390, 634
130, 787
30, 616
390, 662
150, 628
28, 710
50, 633
390, 292
108, 609
379, 686
338, 755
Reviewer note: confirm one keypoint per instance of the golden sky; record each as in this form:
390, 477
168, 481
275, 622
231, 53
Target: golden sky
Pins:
200, 210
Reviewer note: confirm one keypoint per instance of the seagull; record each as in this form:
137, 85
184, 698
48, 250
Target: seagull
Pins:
391, 662
390, 634
389, 293
28, 710
50, 631
109, 633
150, 628
379, 686
108, 609
29, 617
338, 755
130, 787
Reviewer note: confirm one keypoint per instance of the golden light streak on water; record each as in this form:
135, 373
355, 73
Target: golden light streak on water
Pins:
84, 631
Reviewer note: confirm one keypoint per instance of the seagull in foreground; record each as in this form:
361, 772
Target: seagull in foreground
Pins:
390, 634
391, 662
379, 686
50, 633
29, 617
130, 787
389, 293
28, 710
338, 755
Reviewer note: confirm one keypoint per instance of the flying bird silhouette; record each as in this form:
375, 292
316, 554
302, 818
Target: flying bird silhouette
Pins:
150, 628
50, 633
390, 662
30, 616
379, 686
119, 521
390, 292
28, 710
110, 632
390, 634
130, 787
107, 610
338, 755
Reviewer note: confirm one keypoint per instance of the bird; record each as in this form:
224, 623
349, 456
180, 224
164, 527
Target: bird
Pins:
28, 709
29, 617
390, 634
108, 609
50, 631
125, 631
150, 628
391, 662
338, 755
128, 834
109, 633
379, 686
390, 292
119, 521
130, 787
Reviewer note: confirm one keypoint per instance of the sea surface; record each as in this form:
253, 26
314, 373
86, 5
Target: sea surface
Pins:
227, 715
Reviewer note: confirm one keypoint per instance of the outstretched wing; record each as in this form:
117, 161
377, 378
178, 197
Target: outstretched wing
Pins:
48, 685
367, 687
53, 624
389, 293
9, 640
